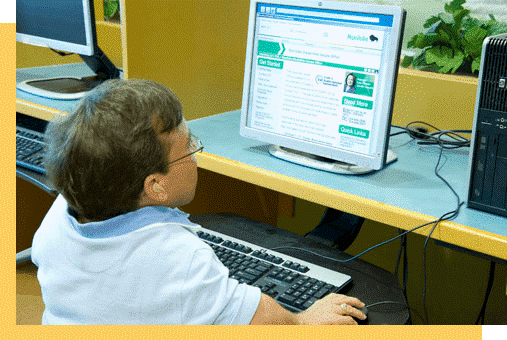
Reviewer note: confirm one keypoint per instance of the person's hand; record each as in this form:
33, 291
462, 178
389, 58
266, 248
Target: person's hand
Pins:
333, 309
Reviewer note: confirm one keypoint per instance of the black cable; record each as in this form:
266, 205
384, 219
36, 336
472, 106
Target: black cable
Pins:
405, 267
360, 254
402, 251
399, 132
482, 314
398, 260
452, 215
63, 54
457, 141
453, 140
447, 216
435, 138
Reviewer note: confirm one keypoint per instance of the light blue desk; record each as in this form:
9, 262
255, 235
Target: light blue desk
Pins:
45, 108
405, 194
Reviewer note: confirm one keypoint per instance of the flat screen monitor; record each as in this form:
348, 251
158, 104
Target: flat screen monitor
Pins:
62, 25
68, 26
320, 80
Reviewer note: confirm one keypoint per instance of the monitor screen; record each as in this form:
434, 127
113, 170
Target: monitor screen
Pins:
63, 25
68, 26
320, 78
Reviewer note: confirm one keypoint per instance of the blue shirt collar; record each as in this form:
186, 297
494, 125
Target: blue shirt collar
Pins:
129, 222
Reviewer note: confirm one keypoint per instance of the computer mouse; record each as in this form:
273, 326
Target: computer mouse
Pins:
365, 312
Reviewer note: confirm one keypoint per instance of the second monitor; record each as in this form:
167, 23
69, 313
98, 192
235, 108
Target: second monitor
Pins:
320, 79
67, 26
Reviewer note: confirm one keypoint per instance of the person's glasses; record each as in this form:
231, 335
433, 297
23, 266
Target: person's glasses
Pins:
195, 145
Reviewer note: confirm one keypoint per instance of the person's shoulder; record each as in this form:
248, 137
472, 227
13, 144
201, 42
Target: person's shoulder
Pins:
59, 205
56, 214
171, 236
170, 247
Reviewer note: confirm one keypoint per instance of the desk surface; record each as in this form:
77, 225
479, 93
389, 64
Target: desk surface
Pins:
41, 107
405, 194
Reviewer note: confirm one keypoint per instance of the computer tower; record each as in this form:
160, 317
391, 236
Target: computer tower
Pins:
487, 184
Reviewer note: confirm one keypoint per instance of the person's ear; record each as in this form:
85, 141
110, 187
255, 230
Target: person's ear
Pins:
154, 188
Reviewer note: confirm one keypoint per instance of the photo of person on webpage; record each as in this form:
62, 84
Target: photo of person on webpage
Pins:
350, 83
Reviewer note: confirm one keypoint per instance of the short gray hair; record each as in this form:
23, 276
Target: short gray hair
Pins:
99, 155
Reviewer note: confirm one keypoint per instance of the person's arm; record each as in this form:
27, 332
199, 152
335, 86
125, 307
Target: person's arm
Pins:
327, 311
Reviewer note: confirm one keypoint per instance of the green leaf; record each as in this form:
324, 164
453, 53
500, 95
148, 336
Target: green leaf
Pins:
476, 64
431, 21
420, 41
458, 17
407, 61
448, 18
436, 54
413, 41
454, 5
444, 37
110, 8
474, 39
448, 59
431, 37
475, 34
453, 39
469, 22
419, 60
497, 28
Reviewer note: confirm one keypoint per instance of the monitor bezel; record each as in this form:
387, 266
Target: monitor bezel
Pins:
91, 41
378, 160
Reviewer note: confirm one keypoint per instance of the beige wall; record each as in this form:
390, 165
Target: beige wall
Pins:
195, 47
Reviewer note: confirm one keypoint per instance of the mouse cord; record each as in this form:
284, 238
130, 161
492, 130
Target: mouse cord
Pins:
454, 139
480, 318
451, 214
402, 251
447, 216
358, 255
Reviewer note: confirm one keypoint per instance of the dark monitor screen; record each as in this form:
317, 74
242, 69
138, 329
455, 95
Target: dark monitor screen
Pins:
65, 25
68, 26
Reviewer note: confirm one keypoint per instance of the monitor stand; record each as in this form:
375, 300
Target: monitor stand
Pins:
322, 163
72, 88
62, 88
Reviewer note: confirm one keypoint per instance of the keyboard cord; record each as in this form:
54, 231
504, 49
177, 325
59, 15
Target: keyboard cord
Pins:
360, 254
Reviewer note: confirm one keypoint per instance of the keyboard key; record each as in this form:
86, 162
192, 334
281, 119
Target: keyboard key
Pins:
253, 272
289, 299
321, 293
29, 149
246, 275
309, 303
263, 268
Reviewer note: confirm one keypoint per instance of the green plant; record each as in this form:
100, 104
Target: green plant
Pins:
111, 8
453, 41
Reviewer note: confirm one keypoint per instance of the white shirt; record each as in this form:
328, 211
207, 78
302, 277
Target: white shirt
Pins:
143, 267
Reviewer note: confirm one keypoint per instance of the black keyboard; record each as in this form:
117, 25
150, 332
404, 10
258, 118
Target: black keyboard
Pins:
294, 283
30, 149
